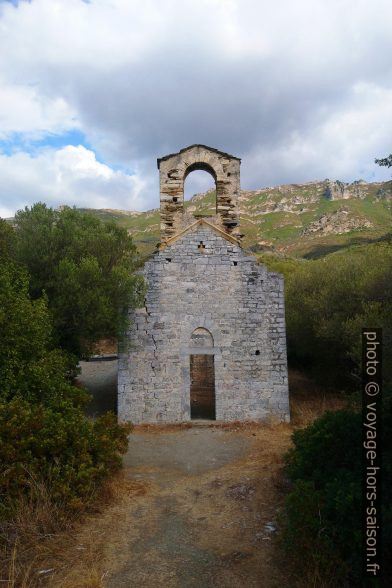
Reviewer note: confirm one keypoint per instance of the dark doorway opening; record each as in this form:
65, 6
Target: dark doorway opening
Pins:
202, 386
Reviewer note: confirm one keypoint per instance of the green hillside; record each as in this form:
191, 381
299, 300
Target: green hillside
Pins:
301, 220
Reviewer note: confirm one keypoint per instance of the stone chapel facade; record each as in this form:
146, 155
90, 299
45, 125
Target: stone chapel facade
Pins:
210, 341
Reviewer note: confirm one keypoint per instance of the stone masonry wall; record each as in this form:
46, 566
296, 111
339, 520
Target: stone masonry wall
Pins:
204, 280
173, 170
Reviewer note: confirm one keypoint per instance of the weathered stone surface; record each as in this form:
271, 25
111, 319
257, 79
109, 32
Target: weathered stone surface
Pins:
205, 298
338, 222
173, 170
336, 190
238, 301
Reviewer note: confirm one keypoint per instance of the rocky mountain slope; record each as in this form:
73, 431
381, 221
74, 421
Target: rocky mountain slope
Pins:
306, 220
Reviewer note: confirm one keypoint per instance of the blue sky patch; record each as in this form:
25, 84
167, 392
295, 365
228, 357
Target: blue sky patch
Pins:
14, 2
19, 142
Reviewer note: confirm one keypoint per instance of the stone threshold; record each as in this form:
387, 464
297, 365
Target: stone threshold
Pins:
105, 357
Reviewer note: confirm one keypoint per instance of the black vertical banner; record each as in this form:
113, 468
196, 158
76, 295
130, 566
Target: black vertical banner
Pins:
371, 453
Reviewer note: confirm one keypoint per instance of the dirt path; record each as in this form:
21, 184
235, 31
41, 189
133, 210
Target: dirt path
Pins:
197, 508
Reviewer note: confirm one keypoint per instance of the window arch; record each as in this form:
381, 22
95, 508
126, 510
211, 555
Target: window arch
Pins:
202, 337
200, 166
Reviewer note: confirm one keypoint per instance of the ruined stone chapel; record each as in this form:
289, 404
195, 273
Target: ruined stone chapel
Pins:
210, 341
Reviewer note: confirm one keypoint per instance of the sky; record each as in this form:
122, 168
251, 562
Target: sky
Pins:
92, 92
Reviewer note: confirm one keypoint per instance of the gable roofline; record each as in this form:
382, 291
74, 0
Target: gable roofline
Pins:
200, 221
191, 147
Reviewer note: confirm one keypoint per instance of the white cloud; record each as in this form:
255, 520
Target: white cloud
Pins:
298, 89
348, 139
71, 176
24, 110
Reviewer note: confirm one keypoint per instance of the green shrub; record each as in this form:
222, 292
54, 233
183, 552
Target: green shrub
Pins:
306, 539
56, 446
45, 439
328, 301
29, 366
323, 525
326, 449
324, 508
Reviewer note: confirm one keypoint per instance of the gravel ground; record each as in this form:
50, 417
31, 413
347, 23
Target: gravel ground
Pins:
205, 515
197, 508
191, 451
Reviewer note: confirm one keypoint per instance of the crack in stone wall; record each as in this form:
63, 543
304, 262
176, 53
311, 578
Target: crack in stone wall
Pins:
239, 302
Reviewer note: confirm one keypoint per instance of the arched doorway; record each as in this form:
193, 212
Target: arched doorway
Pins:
202, 375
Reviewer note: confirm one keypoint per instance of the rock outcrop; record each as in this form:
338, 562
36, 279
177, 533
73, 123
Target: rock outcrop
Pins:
339, 222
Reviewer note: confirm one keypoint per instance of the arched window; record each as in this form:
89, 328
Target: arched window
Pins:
202, 337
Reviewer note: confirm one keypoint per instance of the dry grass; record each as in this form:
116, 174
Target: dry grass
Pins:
309, 400
42, 547
105, 346
217, 521
39, 542
173, 428
25, 537
158, 428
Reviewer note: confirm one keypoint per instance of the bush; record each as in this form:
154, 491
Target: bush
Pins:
328, 301
322, 530
323, 510
312, 552
53, 459
45, 439
29, 365
56, 446
327, 448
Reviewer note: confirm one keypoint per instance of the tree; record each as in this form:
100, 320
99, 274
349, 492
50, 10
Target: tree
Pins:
386, 161
86, 269
7, 239
45, 439
328, 301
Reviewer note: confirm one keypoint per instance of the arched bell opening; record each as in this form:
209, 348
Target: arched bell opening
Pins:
200, 179
173, 171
